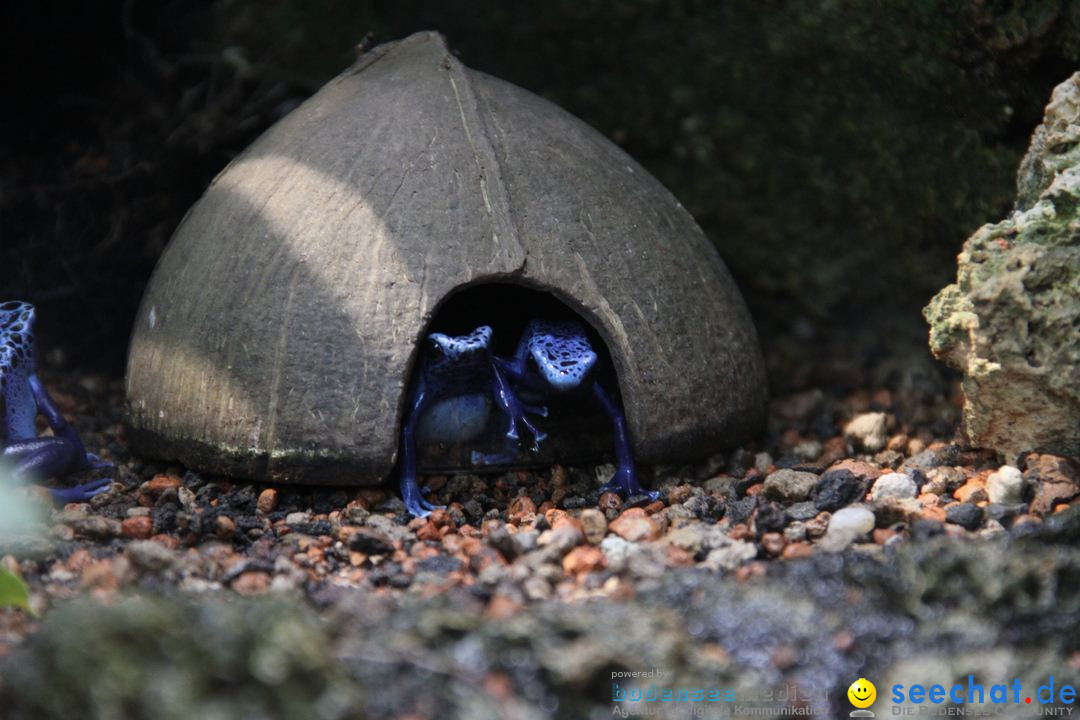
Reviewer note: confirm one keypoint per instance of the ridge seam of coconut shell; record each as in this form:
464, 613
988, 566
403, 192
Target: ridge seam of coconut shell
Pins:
506, 240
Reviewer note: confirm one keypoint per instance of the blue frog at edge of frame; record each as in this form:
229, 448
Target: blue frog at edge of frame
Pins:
22, 397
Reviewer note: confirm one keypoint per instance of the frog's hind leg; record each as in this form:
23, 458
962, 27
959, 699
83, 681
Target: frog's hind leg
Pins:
514, 408
414, 499
625, 480
63, 429
51, 457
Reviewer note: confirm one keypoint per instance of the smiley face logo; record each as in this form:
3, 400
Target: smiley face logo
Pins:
862, 693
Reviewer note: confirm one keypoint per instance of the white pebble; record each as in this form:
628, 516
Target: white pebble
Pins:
868, 430
1006, 486
846, 526
896, 485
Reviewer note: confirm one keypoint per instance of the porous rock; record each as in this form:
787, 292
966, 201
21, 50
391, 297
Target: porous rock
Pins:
1009, 323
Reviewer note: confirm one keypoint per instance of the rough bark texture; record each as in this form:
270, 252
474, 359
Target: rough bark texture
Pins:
1011, 323
277, 335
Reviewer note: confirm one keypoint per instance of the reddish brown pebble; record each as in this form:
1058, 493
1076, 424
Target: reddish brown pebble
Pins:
427, 531
773, 543
583, 559
654, 507
750, 570
634, 526
797, 550
1056, 479
522, 505
610, 501
935, 513
858, 468
440, 518
100, 574
224, 527
137, 528
565, 519
740, 532
502, 607
755, 489
679, 557
974, 490
166, 540
883, 535
267, 501
253, 582
897, 443
160, 483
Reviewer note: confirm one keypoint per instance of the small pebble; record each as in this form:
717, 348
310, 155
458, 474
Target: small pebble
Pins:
267, 501
594, 525
837, 488
139, 527
635, 526
790, 485
583, 559
966, 515
846, 526
1006, 486
868, 431
224, 527
897, 485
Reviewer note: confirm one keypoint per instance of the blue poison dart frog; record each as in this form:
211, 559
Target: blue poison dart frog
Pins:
459, 378
22, 397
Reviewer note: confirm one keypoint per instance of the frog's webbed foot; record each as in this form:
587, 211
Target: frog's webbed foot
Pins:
80, 493
625, 483
413, 496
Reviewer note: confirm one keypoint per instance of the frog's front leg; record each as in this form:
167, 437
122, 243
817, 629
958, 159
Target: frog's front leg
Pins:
410, 490
64, 430
51, 457
625, 480
514, 408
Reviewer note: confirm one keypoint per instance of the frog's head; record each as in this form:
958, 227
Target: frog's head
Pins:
562, 354
447, 351
16, 334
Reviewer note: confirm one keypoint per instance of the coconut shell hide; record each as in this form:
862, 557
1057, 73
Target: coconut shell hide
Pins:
277, 335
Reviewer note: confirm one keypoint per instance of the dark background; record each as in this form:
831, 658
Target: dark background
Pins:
837, 153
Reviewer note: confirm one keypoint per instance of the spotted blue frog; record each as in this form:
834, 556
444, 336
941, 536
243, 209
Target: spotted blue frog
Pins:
556, 358
22, 398
459, 378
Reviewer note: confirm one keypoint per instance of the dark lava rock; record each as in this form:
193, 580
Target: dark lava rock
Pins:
370, 541
936, 457
966, 515
738, 511
802, 511
770, 518
838, 488
1004, 513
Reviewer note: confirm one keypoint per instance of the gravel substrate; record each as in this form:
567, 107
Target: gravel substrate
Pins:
839, 478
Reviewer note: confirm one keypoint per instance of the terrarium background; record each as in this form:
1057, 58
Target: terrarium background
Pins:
837, 156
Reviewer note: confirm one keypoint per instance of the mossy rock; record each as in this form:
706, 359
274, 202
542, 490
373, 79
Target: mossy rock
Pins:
1011, 322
